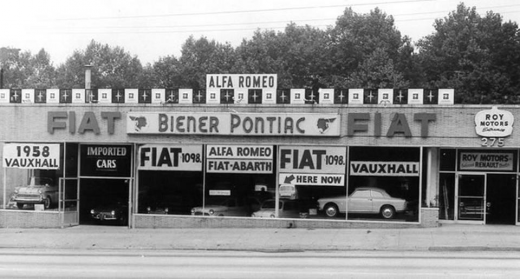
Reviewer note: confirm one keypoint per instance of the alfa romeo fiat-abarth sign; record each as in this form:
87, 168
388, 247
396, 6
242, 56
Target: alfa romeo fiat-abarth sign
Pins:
234, 124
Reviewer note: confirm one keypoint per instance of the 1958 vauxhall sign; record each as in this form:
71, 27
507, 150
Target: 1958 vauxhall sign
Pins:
494, 123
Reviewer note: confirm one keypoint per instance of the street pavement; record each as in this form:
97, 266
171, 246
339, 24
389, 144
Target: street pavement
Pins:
448, 237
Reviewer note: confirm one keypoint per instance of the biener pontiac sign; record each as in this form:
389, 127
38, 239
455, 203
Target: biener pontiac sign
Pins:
234, 124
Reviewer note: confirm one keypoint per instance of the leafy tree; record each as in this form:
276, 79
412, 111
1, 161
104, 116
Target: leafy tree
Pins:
111, 67
478, 56
201, 57
297, 55
166, 72
357, 38
23, 70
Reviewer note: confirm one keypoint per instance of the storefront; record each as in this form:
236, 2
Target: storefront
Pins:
269, 164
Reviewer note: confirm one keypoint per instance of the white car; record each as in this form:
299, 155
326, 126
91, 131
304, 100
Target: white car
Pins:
369, 200
286, 209
41, 190
227, 207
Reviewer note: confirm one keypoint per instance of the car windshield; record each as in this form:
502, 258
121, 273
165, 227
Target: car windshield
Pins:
268, 205
40, 181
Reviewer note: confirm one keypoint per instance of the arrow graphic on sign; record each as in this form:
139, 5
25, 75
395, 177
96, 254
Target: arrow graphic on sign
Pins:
289, 179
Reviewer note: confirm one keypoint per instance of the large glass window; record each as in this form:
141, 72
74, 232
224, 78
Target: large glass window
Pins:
34, 172
383, 184
170, 179
313, 177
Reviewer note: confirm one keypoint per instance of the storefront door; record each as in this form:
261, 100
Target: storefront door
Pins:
471, 199
69, 200
500, 199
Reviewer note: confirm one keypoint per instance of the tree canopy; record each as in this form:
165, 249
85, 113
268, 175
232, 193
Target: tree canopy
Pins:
478, 56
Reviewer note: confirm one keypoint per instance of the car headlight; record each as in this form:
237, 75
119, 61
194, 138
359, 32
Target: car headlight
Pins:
16, 191
211, 212
113, 212
40, 191
253, 215
166, 210
92, 211
272, 216
148, 209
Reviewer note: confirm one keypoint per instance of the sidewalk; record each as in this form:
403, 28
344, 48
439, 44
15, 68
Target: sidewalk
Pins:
445, 238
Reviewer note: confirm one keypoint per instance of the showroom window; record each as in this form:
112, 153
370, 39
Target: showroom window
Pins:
384, 184
35, 176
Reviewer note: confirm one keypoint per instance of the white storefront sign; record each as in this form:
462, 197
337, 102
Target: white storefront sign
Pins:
234, 124
170, 157
360, 168
239, 159
31, 156
494, 123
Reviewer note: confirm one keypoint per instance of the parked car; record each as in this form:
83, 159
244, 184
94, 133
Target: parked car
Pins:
169, 204
116, 211
227, 206
286, 209
41, 190
288, 191
368, 200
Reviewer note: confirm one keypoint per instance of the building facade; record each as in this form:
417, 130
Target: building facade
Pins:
330, 158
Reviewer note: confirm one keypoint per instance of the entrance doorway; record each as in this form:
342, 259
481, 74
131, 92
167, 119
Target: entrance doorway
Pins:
104, 202
471, 197
501, 192
487, 198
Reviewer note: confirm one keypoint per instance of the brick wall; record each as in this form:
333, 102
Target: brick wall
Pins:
29, 219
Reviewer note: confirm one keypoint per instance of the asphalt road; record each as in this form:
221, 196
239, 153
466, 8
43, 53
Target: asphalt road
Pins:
28, 263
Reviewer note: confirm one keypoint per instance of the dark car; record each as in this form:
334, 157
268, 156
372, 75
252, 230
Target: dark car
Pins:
116, 211
171, 204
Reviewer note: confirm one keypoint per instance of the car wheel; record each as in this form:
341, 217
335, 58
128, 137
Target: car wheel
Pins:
387, 211
331, 210
47, 202
19, 205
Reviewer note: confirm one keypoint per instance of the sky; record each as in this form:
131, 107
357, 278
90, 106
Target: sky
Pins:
157, 28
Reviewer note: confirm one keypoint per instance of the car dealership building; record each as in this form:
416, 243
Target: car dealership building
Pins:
170, 158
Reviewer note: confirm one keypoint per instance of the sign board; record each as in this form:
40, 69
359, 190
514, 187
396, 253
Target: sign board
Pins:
486, 161
240, 159
307, 179
170, 157
494, 123
241, 81
312, 165
31, 156
234, 124
360, 168
312, 159
106, 160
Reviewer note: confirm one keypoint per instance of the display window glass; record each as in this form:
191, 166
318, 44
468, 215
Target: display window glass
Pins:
34, 172
170, 178
447, 196
384, 184
239, 179
310, 175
